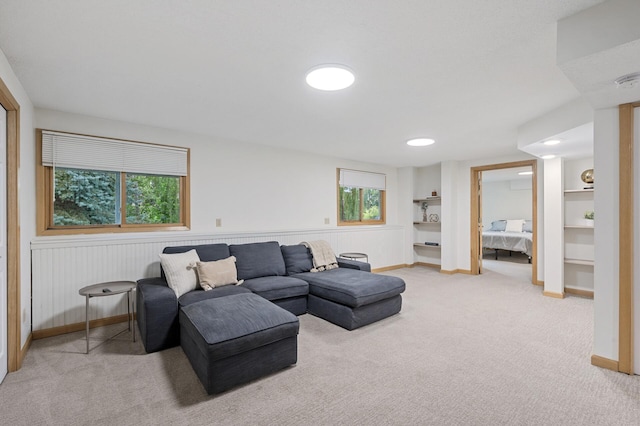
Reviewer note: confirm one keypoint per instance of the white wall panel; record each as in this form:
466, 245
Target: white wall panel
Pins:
61, 266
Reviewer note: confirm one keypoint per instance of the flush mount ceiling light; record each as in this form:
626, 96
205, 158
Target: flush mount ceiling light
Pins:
330, 77
421, 142
548, 157
525, 173
551, 142
628, 81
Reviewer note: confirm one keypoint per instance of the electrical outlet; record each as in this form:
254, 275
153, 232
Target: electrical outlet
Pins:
327, 221
218, 222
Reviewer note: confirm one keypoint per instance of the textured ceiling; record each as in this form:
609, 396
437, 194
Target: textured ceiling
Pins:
464, 72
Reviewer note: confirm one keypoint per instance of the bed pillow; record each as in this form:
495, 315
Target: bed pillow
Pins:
180, 271
528, 226
498, 225
217, 273
514, 225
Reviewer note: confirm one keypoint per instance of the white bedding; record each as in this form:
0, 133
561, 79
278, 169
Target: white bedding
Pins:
503, 240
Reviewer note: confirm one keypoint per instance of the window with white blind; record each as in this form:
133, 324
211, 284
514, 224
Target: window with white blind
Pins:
361, 197
91, 184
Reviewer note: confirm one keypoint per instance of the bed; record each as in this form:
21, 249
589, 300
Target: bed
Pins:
501, 237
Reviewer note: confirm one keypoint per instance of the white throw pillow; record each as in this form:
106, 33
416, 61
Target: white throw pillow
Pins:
514, 225
180, 270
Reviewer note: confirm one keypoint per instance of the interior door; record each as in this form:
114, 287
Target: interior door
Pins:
3, 245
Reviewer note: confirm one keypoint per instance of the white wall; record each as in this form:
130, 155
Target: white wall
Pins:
428, 179
406, 184
554, 226
450, 224
501, 201
573, 169
606, 202
26, 191
250, 187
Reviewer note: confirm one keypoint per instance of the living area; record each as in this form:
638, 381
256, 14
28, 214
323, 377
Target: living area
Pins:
266, 155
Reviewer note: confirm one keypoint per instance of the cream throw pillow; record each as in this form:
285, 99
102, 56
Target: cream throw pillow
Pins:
180, 270
514, 225
218, 273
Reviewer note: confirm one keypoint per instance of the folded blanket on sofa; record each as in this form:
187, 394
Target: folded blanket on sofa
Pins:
323, 257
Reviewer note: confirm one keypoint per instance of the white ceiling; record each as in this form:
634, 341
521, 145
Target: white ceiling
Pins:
574, 143
464, 72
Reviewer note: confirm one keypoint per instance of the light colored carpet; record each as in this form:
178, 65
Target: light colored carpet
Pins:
515, 267
483, 350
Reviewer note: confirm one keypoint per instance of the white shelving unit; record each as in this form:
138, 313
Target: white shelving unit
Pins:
427, 231
578, 242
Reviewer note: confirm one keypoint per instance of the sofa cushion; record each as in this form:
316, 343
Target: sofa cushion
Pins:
297, 259
180, 269
258, 260
217, 273
206, 252
274, 288
200, 295
352, 287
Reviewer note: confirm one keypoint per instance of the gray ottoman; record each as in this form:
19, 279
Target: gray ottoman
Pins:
352, 298
236, 339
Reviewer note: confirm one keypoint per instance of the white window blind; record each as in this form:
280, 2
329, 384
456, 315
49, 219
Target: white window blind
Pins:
357, 179
91, 153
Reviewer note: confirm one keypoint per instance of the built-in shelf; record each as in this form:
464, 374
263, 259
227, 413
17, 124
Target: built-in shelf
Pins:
437, 198
426, 223
425, 245
579, 262
578, 227
568, 191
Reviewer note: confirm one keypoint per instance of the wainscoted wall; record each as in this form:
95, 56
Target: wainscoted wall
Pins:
61, 266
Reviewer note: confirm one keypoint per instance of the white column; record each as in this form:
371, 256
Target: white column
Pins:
449, 226
553, 228
405, 210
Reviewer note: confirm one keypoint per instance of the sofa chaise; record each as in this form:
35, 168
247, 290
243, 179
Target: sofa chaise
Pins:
236, 333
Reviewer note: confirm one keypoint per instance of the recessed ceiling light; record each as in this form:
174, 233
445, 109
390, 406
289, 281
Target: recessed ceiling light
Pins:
525, 173
548, 157
551, 142
330, 77
421, 142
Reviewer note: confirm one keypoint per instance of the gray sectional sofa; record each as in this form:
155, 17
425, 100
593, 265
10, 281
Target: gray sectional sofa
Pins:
232, 336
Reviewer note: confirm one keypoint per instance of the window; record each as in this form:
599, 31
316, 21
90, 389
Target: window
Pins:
97, 185
361, 197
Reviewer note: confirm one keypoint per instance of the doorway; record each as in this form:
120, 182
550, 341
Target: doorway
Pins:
478, 225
